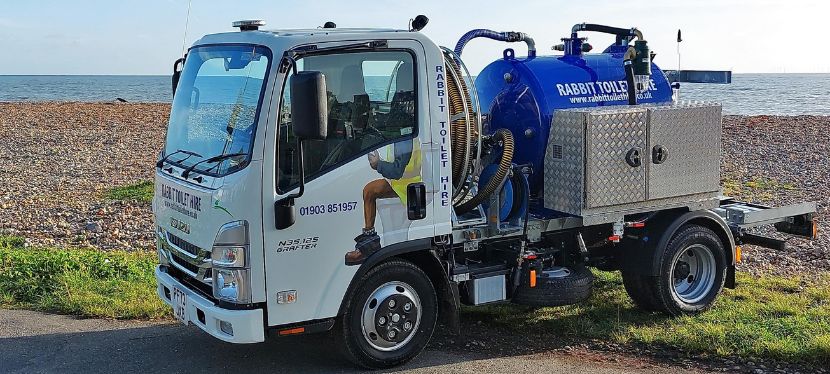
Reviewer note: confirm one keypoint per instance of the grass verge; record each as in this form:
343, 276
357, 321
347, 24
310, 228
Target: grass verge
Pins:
771, 317
83, 282
141, 191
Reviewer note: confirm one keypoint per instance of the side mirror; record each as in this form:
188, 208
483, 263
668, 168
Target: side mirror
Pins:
309, 121
309, 105
284, 214
177, 73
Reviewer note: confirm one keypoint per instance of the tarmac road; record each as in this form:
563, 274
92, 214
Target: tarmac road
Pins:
32, 342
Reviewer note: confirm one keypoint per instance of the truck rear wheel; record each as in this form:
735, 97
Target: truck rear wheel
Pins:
692, 273
390, 317
639, 289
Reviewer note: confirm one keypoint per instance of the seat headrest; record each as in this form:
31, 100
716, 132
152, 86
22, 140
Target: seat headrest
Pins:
405, 80
351, 83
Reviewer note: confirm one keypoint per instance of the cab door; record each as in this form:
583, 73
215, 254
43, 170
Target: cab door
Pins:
378, 145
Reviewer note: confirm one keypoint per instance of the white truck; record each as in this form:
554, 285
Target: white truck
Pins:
359, 181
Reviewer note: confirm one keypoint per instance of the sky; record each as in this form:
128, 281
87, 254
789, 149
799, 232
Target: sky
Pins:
145, 37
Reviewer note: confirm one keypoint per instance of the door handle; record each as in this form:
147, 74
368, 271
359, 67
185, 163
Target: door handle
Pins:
416, 201
659, 154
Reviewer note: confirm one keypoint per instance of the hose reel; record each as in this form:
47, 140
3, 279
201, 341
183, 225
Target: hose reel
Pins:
466, 138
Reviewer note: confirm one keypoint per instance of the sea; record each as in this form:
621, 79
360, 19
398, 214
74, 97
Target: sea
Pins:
748, 94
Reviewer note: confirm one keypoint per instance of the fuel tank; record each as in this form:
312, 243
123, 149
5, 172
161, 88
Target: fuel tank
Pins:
521, 94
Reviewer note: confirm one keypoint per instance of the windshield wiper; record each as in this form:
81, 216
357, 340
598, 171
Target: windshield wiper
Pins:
160, 163
210, 161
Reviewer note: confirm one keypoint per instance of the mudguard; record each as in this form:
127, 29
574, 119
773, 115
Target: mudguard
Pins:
639, 253
420, 253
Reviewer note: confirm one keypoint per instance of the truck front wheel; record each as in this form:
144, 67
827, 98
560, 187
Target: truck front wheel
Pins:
390, 317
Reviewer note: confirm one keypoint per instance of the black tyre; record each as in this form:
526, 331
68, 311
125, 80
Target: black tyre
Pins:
692, 273
557, 287
390, 317
639, 289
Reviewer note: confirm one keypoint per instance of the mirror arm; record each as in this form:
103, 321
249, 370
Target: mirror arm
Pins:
288, 62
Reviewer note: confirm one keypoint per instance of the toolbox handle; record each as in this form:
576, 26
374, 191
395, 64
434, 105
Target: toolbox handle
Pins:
632, 158
659, 154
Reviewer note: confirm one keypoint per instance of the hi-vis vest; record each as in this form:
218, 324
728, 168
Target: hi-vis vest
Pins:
412, 172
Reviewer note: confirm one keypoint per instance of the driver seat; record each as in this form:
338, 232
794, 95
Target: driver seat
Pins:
402, 108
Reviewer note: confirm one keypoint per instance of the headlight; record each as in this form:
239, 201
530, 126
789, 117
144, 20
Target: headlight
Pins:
230, 248
232, 285
229, 257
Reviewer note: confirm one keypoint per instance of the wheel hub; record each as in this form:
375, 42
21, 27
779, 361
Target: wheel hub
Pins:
681, 270
693, 273
395, 320
390, 316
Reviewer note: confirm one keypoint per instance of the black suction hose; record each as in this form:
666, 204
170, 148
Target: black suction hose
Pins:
628, 59
621, 33
629, 81
508, 36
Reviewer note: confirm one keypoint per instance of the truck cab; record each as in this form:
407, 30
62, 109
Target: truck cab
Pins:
223, 258
354, 179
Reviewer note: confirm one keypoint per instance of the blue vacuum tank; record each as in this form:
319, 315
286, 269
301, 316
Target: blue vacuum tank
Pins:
521, 94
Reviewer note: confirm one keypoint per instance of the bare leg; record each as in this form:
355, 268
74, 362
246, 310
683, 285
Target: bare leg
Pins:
376, 189
368, 242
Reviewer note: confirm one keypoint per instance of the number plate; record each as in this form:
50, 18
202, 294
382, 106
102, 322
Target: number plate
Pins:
180, 305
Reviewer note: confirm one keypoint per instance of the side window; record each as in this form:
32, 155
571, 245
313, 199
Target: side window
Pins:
371, 102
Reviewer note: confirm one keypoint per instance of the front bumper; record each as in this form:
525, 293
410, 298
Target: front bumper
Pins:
247, 324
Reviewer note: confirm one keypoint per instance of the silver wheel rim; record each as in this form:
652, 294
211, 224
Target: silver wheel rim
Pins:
391, 316
693, 273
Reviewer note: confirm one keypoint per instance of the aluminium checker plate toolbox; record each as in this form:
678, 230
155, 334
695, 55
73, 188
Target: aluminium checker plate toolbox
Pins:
604, 163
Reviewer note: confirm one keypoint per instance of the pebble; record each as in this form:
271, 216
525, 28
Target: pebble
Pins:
780, 160
94, 227
59, 159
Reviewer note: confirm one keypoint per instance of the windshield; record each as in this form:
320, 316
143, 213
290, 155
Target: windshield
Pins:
216, 107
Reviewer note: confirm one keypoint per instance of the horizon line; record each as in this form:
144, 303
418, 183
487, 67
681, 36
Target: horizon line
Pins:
168, 75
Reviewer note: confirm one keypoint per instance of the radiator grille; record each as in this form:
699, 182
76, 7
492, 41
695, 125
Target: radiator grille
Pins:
184, 244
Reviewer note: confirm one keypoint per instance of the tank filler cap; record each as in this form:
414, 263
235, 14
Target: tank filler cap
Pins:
249, 24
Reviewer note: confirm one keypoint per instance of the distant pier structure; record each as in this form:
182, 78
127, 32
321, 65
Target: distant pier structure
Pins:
699, 76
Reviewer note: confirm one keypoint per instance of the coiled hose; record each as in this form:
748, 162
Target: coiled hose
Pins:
506, 138
463, 131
